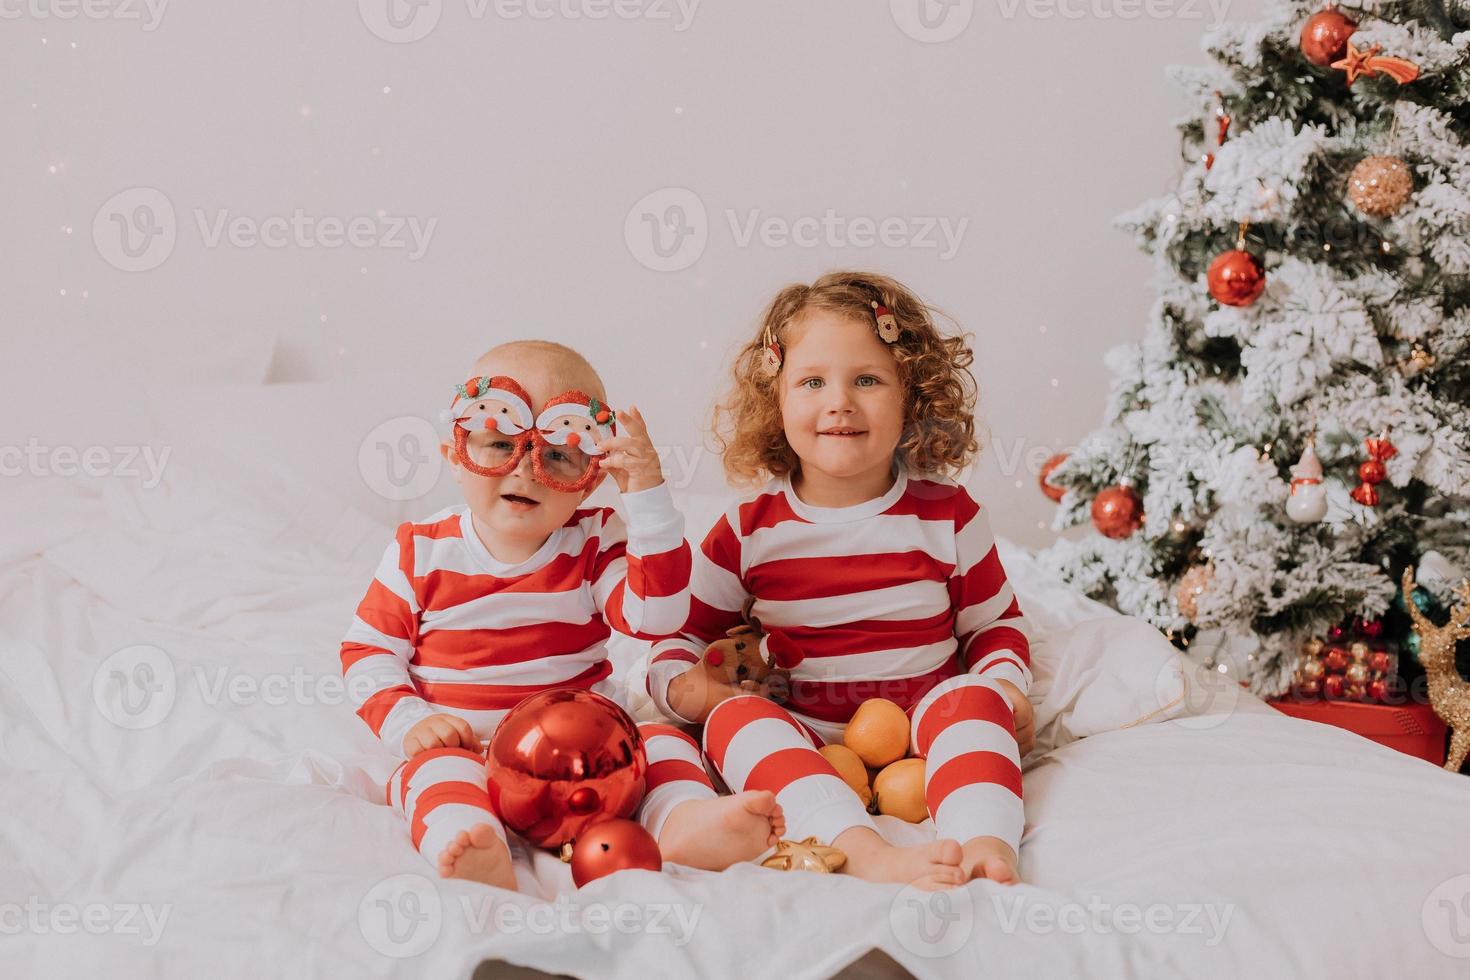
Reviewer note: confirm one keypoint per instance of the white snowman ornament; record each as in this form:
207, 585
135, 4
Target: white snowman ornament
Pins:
1308, 501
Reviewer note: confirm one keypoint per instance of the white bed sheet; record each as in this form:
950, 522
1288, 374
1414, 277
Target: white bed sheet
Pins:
237, 835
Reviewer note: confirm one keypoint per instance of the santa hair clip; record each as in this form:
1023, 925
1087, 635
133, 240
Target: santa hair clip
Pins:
887, 322
771, 354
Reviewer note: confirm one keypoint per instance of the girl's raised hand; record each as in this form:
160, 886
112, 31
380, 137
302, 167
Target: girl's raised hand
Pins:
631, 458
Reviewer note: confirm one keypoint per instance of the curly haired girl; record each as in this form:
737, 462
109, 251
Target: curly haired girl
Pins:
863, 552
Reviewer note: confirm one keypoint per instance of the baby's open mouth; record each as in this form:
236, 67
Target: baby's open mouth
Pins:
516, 498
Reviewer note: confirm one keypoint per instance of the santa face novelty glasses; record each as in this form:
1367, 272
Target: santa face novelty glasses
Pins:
494, 430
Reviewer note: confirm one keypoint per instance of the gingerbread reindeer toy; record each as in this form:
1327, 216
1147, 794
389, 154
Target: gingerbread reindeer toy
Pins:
749, 654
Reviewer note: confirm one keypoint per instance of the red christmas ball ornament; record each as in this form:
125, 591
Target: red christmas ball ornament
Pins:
1335, 633
613, 845
1332, 685
1052, 493
1378, 690
1336, 659
1370, 629
1380, 662
1325, 36
562, 760
1236, 278
1117, 512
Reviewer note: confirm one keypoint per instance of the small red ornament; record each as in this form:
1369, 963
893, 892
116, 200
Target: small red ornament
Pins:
613, 845
1332, 685
1335, 659
562, 760
1335, 633
1236, 278
1117, 512
1053, 493
1378, 690
1325, 36
1372, 471
1371, 629
1380, 662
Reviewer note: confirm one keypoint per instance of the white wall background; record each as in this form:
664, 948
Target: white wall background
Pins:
527, 141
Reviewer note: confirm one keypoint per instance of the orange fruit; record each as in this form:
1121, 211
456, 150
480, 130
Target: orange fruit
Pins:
878, 733
850, 768
900, 790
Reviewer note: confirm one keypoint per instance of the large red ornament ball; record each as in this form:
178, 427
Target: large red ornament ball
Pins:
562, 760
1236, 278
1117, 512
1325, 36
613, 845
1053, 493
1336, 659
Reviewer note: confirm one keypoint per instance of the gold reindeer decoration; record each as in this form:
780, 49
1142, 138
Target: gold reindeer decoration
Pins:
1449, 693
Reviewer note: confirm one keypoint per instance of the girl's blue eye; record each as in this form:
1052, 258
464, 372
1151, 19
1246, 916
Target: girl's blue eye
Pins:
867, 381
813, 383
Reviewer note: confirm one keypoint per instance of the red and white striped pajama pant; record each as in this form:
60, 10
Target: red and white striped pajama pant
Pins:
443, 791
963, 729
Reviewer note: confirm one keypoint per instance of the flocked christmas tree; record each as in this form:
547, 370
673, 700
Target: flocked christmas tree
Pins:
1294, 427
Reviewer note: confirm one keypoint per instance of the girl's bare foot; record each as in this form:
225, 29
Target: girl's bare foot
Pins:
990, 857
714, 834
930, 866
478, 854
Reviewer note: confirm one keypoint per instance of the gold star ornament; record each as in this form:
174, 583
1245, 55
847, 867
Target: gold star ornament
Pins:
805, 855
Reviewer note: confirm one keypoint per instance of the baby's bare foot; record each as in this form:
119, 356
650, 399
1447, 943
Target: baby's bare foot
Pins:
478, 854
990, 857
930, 866
714, 834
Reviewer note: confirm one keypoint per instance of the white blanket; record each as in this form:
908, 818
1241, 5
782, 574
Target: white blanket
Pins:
186, 793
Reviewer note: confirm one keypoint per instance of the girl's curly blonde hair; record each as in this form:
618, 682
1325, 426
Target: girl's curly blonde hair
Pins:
939, 403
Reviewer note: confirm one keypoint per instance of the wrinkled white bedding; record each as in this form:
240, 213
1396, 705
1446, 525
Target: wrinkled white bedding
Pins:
234, 834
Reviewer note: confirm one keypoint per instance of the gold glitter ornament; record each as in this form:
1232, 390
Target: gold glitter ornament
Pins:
1380, 185
1191, 587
